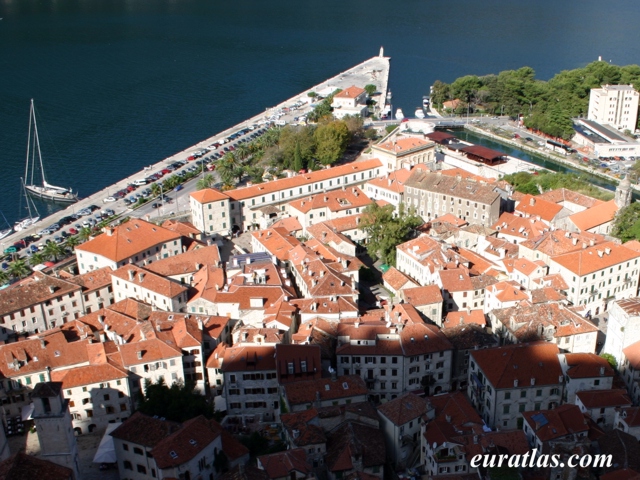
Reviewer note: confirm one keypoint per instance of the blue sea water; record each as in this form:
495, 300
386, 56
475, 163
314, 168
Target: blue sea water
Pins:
119, 84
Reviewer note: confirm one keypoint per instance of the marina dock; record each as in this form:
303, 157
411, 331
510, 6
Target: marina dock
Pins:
373, 71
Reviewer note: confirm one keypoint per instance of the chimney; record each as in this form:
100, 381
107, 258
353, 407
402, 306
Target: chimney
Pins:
515, 382
533, 381
109, 231
532, 202
592, 242
575, 241
101, 319
200, 324
600, 253
607, 251
132, 275
601, 370
44, 345
198, 266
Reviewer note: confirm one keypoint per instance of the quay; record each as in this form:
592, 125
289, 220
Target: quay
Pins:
374, 71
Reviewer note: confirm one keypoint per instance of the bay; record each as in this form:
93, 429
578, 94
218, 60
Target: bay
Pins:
120, 84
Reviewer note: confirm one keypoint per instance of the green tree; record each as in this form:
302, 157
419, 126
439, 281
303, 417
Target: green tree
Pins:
4, 277
53, 250
331, 141
206, 182
18, 268
626, 225
386, 230
179, 402
84, 234
611, 359
297, 158
370, 89
155, 189
72, 242
36, 259
355, 125
254, 172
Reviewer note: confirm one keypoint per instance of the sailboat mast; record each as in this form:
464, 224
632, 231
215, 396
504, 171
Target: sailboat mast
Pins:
26, 167
37, 140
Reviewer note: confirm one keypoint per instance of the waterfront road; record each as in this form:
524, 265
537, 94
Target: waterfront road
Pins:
374, 71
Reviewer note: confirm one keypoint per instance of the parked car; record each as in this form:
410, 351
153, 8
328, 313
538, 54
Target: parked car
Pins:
109, 199
156, 205
73, 231
10, 250
178, 188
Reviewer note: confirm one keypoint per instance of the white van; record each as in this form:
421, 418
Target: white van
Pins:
140, 182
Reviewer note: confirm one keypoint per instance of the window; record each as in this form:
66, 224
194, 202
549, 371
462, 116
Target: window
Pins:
507, 395
125, 447
523, 394
127, 465
138, 451
505, 409
141, 469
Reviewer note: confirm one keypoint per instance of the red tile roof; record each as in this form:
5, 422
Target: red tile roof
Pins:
595, 216
343, 387
404, 408
464, 317
249, 358
553, 424
128, 239
426, 295
149, 280
604, 398
405, 144
333, 200
530, 206
88, 375
522, 362
208, 195
351, 440
396, 279
304, 179
587, 365
187, 262
21, 466
283, 464
593, 259
351, 92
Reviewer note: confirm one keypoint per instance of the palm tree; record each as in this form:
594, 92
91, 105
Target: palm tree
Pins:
155, 189
4, 277
72, 242
242, 151
19, 268
206, 182
37, 259
84, 234
53, 250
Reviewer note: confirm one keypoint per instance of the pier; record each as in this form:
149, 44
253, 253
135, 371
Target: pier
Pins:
374, 71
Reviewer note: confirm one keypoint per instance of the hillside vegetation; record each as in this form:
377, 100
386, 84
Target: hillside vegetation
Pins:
547, 106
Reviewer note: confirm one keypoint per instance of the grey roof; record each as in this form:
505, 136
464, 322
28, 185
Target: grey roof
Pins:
469, 189
47, 389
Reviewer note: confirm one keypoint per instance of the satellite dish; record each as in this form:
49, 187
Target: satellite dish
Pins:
435, 444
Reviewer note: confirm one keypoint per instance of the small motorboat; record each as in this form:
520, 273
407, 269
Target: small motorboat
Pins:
419, 112
399, 114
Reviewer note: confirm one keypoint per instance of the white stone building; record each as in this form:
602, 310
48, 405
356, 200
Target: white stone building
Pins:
615, 105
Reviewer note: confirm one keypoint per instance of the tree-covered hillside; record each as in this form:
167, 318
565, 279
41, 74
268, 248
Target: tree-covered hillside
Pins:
548, 106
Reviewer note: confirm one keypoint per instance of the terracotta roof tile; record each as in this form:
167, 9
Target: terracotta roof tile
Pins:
187, 262
334, 200
593, 259
87, 375
530, 206
304, 179
587, 365
503, 365
283, 464
426, 295
21, 466
404, 408
604, 398
553, 424
38, 288
464, 317
351, 92
249, 358
595, 216
515, 226
149, 280
353, 439
208, 195
128, 239
396, 279
562, 195
343, 387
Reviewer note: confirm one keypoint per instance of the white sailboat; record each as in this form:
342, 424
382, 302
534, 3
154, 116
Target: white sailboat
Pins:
7, 231
31, 219
46, 191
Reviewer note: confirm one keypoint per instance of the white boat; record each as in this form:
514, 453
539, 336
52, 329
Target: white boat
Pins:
46, 191
426, 101
5, 232
31, 219
419, 113
399, 114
